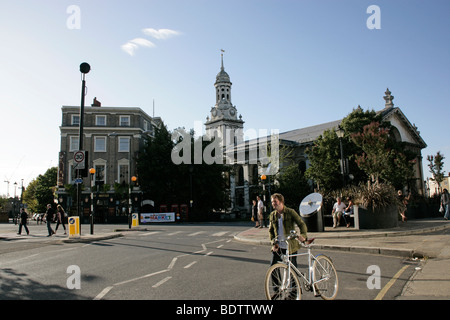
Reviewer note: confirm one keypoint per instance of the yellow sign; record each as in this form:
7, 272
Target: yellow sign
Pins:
135, 220
74, 227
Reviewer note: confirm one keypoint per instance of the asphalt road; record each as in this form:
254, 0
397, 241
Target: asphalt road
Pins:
176, 262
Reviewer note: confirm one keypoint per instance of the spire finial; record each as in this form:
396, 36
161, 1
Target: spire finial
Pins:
388, 98
221, 56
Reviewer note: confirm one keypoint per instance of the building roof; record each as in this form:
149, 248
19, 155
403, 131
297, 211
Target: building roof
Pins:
308, 134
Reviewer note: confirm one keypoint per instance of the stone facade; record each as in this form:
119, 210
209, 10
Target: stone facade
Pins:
112, 139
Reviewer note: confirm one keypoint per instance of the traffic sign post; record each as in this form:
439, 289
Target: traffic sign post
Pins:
135, 220
74, 227
79, 158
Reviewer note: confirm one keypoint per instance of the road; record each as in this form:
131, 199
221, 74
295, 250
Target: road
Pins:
175, 262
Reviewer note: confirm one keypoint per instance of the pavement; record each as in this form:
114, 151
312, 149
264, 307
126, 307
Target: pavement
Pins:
424, 239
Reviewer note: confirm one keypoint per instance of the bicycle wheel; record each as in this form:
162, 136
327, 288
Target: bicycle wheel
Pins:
279, 285
325, 277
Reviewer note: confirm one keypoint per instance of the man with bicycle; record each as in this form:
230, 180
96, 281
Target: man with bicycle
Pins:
282, 221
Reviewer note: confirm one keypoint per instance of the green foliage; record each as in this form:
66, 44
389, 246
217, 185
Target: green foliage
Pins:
40, 191
436, 165
374, 158
293, 185
371, 149
372, 196
168, 183
156, 171
324, 158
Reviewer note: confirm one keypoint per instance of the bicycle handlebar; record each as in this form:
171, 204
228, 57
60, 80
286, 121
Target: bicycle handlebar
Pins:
294, 235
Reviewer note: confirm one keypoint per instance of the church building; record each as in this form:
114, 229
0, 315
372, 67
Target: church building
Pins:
248, 168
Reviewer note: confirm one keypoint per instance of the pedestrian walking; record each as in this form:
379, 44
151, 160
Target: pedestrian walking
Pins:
49, 217
403, 201
255, 213
445, 199
23, 221
261, 218
60, 218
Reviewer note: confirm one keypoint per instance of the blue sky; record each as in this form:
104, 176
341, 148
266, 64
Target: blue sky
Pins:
293, 64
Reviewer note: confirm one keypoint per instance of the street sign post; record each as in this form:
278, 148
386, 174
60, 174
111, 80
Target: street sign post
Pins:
74, 227
79, 158
135, 220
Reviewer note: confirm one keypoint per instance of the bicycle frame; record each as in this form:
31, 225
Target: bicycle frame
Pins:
285, 258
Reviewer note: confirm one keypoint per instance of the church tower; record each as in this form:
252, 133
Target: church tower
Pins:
223, 118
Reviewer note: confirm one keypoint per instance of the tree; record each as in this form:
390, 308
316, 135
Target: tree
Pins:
293, 185
375, 157
168, 183
209, 183
324, 158
40, 191
436, 165
351, 124
156, 172
372, 151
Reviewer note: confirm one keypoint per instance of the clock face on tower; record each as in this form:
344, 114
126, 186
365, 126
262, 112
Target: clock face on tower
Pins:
214, 113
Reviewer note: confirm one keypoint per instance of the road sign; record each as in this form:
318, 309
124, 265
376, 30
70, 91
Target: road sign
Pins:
74, 227
79, 158
135, 220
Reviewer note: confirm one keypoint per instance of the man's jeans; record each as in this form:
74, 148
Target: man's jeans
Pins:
49, 228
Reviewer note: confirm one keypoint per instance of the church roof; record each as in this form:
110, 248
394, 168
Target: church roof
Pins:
308, 134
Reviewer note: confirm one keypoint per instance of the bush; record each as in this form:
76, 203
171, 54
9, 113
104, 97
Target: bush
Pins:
370, 196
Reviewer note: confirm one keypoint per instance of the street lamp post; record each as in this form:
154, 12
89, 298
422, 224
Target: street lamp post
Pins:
133, 179
92, 172
84, 68
263, 178
340, 133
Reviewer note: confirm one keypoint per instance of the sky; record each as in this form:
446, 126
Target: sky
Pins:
293, 64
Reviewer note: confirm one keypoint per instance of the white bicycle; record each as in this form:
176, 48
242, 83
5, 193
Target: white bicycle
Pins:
284, 281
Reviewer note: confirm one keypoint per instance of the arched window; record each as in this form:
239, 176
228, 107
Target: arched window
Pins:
395, 134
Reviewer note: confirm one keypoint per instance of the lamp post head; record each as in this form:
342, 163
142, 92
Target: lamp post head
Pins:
340, 132
85, 67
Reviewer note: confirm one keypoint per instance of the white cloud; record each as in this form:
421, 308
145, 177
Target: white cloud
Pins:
131, 46
160, 34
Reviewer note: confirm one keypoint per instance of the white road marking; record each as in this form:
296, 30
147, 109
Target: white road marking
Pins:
220, 234
190, 265
195, 233
161, 282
